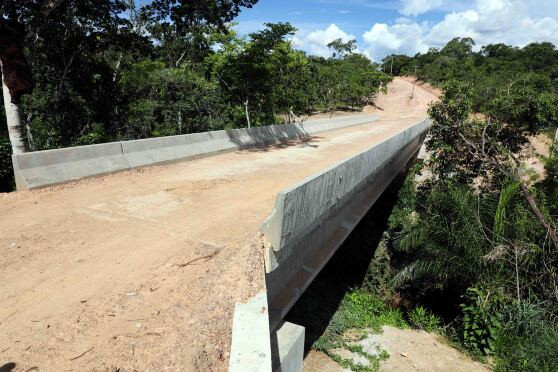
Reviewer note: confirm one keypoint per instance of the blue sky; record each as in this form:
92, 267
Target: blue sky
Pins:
382, 27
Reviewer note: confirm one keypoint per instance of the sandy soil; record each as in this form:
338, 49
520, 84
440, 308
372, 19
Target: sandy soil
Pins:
424, 85
538, 146
409, 350
140, 270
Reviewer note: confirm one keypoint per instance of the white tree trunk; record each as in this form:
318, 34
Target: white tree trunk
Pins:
247, 113
13, 118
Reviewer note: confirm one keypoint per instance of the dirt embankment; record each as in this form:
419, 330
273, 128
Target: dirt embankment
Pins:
408, 349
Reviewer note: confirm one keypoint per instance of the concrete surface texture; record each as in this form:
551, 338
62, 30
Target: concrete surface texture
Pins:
251, 344
287, 345
302, 206
43, 168
36, 169
328, 211
142, 269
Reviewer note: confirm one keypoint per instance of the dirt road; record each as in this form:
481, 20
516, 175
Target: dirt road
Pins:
140, 270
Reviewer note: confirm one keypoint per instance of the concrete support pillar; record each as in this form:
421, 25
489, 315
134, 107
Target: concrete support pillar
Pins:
250, 346
287, 348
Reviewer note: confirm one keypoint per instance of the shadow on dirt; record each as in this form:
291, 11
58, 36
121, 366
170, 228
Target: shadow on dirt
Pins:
8, 367
304, 142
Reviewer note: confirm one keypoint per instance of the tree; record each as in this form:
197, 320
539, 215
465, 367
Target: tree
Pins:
251, 74
186, 15
459, 47
341, 48
478, 231
56, 29
13, 115
396, 64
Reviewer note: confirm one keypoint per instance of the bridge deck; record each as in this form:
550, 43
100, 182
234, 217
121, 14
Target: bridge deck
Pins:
141, 269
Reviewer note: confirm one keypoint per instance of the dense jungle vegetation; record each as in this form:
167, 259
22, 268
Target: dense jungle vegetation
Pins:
92, 72
470, 247
478, 229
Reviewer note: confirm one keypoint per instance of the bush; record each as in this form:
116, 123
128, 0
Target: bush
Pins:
481, 319
529, 342
537, 352
6, 170
421, 318
364, 310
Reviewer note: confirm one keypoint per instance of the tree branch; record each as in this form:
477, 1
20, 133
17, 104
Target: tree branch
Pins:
524, 189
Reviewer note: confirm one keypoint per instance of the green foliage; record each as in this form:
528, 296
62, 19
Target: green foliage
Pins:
474, 221
534, 353
342, 48
189, 15
6, 173
481, 319
421, 318
443, 244
550, 183
361, 310
529, 341
449, 154
494, 72
506, 194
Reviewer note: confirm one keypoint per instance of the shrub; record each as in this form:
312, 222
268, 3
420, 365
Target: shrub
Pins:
481, 319
364, 310
421, 318
538, 352
6, 170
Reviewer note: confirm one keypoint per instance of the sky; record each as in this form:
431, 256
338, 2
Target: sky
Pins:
383, 27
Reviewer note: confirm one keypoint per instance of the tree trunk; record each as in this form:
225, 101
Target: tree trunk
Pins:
179, 122
292, 115
247, 113
117, 68
13, 119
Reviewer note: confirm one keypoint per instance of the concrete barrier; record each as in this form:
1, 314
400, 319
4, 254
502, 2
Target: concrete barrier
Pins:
311, 219
37, 169
45, 168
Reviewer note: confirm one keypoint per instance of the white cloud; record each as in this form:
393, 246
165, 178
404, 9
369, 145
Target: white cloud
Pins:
417, 7
486, 21
383, 39
460, 24
403, 21
315, 42
343, 11
514, 22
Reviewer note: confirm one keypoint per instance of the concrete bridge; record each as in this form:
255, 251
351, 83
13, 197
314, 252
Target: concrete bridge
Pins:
128, 257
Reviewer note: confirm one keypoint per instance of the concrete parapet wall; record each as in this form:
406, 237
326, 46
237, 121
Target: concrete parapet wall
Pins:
44, 168
312, 218
36, 169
